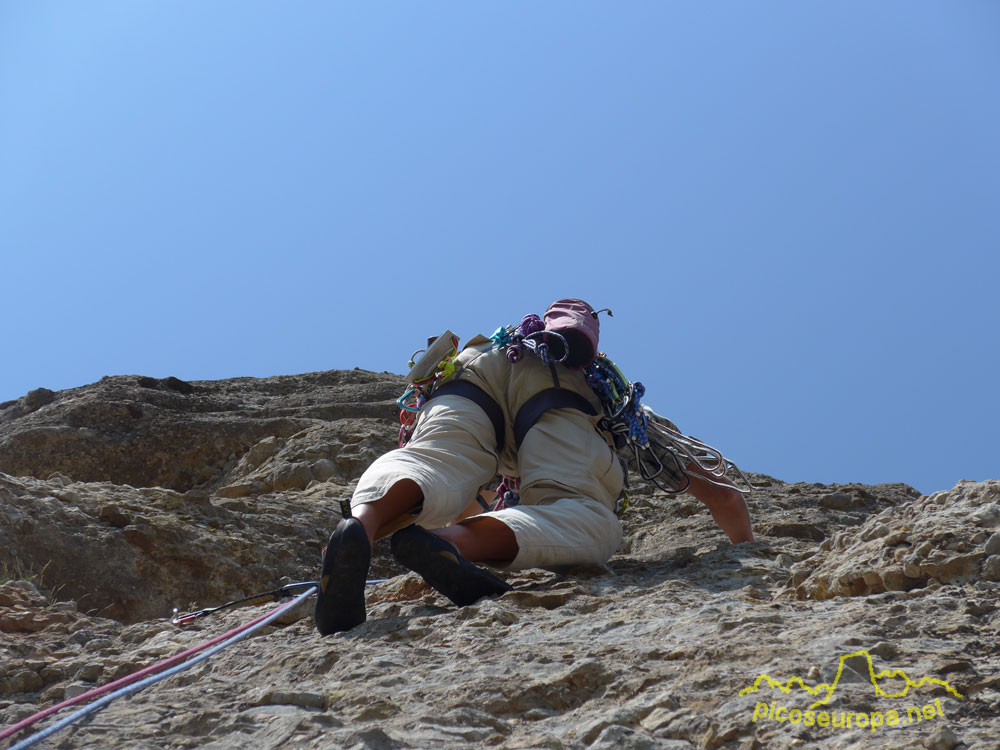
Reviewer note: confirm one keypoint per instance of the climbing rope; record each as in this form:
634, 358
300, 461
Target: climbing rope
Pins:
611, 386
659, 452
713, 467
538, 343
530, 324
128, 685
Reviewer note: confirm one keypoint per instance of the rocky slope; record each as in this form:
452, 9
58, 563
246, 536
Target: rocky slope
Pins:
126, 498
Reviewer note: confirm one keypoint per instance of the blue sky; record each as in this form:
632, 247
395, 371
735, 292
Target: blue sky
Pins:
790, 207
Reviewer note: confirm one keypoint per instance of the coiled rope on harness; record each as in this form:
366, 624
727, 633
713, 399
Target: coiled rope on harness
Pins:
129, 684
652, 444
713, 467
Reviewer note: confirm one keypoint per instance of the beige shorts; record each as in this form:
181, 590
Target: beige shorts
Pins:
570, 480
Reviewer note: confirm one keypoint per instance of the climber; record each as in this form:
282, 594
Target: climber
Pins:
497, 412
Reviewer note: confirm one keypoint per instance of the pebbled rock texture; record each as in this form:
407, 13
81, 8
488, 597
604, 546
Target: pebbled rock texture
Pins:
148, 432
126, 498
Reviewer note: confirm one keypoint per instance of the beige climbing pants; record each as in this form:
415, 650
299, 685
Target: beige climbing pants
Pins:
570, 480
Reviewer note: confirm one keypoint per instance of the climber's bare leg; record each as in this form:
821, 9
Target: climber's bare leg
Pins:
482, 539
402, 497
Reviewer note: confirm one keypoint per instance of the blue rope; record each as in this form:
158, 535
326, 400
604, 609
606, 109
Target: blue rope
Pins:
609, 385
637, 418
622, 400
542, 350
598, 383
137, 686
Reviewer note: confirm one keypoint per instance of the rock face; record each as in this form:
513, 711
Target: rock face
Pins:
137, 495
124, 499
168, 433
948, 537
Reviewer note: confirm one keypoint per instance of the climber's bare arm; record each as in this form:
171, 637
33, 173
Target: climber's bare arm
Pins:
726, 504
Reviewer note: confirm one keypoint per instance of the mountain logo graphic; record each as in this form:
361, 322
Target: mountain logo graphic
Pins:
824, 691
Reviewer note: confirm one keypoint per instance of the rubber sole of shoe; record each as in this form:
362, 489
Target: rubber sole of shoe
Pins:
340, 602
440, 564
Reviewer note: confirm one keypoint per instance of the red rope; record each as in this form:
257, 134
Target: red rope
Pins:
128, 679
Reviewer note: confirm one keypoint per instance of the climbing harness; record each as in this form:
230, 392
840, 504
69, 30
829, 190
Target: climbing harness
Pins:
481, 398
551, 398
643, 440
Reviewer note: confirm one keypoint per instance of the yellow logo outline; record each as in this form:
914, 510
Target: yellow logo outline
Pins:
830, 687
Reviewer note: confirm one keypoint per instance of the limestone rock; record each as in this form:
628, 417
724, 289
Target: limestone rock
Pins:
124, 499
944, 537
148, 432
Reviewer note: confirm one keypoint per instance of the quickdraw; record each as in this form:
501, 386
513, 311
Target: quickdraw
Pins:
508, 493
652, 444
419, 389
285, 591
713, 467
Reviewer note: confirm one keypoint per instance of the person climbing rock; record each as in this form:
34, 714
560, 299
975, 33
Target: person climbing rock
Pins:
494, 409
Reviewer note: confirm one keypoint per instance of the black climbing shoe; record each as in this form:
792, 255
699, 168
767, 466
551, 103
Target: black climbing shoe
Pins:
340, 603
439, 563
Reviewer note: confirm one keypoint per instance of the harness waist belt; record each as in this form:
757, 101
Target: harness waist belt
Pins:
541, 402
481, 398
